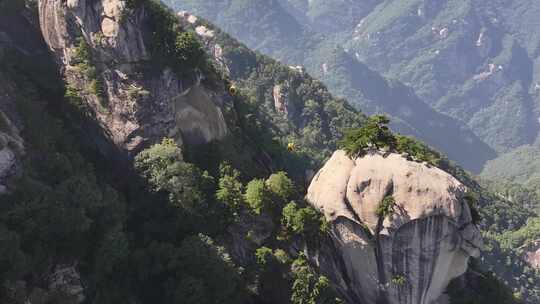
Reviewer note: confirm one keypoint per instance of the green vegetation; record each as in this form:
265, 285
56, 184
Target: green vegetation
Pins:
230, 189
61, 208
417, 150
386, 207
277, 32
280, 185
164, 169
315, 122
171, 45
472, 201
310, 288
399, 280
274, 275
420, 55
509, 224
375, 135
307, 221
256, 196
302, 33
522, 237
82, 59
68, 207
521, 165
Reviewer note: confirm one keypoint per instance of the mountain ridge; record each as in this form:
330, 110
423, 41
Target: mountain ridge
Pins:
312, 51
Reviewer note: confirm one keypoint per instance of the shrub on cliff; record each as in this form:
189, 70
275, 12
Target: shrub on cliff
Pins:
306, 221
376, 135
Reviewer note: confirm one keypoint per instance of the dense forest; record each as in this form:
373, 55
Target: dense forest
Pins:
220, 222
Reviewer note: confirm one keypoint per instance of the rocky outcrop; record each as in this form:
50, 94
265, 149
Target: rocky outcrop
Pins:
134, 108
532, 254
64, 286
281, 99
408, 255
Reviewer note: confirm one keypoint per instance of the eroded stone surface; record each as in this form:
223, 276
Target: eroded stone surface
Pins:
135, 109
411, 255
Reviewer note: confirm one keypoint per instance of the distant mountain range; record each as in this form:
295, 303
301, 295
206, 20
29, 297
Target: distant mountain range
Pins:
461, 75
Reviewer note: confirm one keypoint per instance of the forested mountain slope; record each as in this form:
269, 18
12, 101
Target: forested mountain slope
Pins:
153, 158
81, 222
341, 71
521, 165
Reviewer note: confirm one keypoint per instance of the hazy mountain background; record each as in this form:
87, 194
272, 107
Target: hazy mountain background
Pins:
461, 75
280, 30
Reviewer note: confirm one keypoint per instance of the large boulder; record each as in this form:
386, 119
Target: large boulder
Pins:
407, 256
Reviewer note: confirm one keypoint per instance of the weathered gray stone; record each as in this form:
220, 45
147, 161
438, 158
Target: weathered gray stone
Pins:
136, 109
409, 256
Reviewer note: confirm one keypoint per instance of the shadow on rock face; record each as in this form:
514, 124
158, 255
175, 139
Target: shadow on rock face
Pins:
407, 256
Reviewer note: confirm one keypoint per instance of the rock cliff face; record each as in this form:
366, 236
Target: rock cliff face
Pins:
406, 256
134, 108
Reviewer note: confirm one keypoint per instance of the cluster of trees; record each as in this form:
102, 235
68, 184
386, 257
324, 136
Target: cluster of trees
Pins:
134, 243
171, 45
60, 211
375, 134
187, 190
69, 208
386, 207
83, 60
296, 281
315, 120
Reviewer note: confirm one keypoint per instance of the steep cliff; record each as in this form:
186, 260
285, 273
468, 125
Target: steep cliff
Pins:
532, 254
400, 250
75, 228
107, 52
